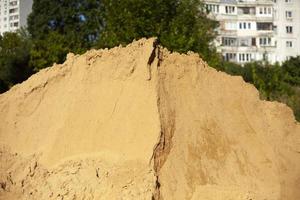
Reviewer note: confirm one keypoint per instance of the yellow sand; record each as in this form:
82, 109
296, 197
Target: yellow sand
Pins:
140, 122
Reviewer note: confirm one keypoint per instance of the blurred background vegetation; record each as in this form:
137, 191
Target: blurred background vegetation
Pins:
56, 27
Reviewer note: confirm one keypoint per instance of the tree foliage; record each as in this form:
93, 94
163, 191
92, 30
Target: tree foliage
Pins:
180, 25
45, 52
292, 67
58, 27
14, 58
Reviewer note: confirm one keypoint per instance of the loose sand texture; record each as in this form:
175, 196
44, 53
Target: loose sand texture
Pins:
139, 122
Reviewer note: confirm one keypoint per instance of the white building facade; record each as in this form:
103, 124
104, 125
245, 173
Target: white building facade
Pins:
287, 26
13, 14
256, 30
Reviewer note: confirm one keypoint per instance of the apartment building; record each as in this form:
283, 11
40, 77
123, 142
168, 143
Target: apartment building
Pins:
287, 28
13, 14
255, 30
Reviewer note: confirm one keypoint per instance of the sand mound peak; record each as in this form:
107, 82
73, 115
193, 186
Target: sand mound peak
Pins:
139, 122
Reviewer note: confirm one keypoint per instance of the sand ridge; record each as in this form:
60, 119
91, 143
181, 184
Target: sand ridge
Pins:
139, 122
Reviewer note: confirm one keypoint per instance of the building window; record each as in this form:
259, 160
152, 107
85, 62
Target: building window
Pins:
14, 17
13, 3
230, 25
289, 29
245, 57
289, 44
265, 41
288, 14
229, 9
14, 10
265, 10
212, 8
230, 57
264, 26
245, 25
227, 41
246, 10
253, 41
245, 42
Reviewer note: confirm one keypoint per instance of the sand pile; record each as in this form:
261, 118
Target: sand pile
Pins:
142, 123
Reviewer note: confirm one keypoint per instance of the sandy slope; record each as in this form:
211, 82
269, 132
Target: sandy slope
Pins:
226, 143
140, 123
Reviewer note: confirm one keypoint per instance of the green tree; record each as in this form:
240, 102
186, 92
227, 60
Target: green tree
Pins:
14, 59
180, 25
292, 67
52, 49
58, 27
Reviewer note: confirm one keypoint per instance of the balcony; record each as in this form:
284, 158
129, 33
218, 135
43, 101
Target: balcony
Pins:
265, 26
242, 2
254, 2
267, 19
246, 10
228, 1
226, 49
224, 32
212, 1
268, 49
